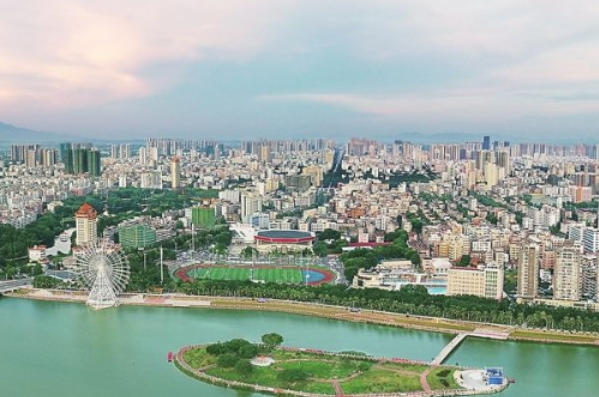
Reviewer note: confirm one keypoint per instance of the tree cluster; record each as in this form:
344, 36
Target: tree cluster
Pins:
412, 300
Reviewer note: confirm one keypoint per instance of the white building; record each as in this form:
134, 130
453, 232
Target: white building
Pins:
37, 253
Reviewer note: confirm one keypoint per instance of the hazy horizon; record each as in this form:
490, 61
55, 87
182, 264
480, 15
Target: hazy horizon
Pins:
238, 70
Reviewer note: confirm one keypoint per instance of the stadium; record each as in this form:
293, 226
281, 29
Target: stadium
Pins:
258, 273
283, 240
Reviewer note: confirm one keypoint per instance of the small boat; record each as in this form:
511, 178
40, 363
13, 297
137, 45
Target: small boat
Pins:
170, 357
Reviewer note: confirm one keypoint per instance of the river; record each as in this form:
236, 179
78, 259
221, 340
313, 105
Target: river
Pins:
56, 349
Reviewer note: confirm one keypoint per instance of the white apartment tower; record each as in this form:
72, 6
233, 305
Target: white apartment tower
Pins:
567, 275
175, 173
251, 203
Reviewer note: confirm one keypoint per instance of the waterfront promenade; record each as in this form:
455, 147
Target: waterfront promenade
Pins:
482, 330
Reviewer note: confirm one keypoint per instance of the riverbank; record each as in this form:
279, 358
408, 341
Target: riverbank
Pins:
491, 331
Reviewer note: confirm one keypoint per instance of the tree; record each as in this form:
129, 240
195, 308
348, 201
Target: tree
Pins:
38, 270
272, 340
249, 351
227, 360
249, 252
244, 367
329, 234
464, 261
46, 282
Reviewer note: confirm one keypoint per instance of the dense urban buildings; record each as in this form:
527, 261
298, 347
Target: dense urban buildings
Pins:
504, 219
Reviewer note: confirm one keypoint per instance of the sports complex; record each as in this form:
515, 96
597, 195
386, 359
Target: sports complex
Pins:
257, 273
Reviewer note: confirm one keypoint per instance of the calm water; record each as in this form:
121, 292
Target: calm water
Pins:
65, 350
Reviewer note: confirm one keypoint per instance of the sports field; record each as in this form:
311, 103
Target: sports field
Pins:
259, 273
273, 274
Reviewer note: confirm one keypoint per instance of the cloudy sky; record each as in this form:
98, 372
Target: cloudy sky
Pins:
238, 69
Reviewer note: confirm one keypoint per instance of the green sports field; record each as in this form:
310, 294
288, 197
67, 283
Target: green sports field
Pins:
270, 274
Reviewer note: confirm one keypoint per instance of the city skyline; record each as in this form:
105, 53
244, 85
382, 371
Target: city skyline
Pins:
293, 69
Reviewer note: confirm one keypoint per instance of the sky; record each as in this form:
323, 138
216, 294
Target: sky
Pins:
239, 69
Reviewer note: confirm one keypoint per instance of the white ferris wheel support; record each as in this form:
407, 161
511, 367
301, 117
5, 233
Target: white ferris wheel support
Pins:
103, 269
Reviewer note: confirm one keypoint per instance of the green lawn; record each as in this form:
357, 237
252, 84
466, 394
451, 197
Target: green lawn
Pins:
268, 377
199, 358
274, 274
381, 381
322, 369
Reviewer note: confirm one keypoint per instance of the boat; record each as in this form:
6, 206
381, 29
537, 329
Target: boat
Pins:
170, 356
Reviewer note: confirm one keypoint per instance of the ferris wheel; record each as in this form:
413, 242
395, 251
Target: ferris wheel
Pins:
103, 269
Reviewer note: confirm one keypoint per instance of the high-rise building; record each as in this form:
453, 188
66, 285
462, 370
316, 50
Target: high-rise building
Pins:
143, 155
62, 148
251, 203
567, 275
503, 161
80, 160
68, 160
486, 142
114, 151
94, 162
590, 239
175, 173
87, 224
125, 151
528, 271
264, 154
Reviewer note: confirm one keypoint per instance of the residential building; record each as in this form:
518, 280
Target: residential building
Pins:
484, 281
528, 271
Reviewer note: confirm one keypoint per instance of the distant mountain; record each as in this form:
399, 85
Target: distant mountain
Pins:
12, 134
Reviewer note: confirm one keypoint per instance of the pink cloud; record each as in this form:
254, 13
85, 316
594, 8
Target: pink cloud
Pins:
74, 53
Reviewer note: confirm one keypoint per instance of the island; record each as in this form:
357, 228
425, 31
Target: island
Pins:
268, 367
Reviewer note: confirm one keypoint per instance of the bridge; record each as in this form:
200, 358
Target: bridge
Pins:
477, 333
455, 342
13, 285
